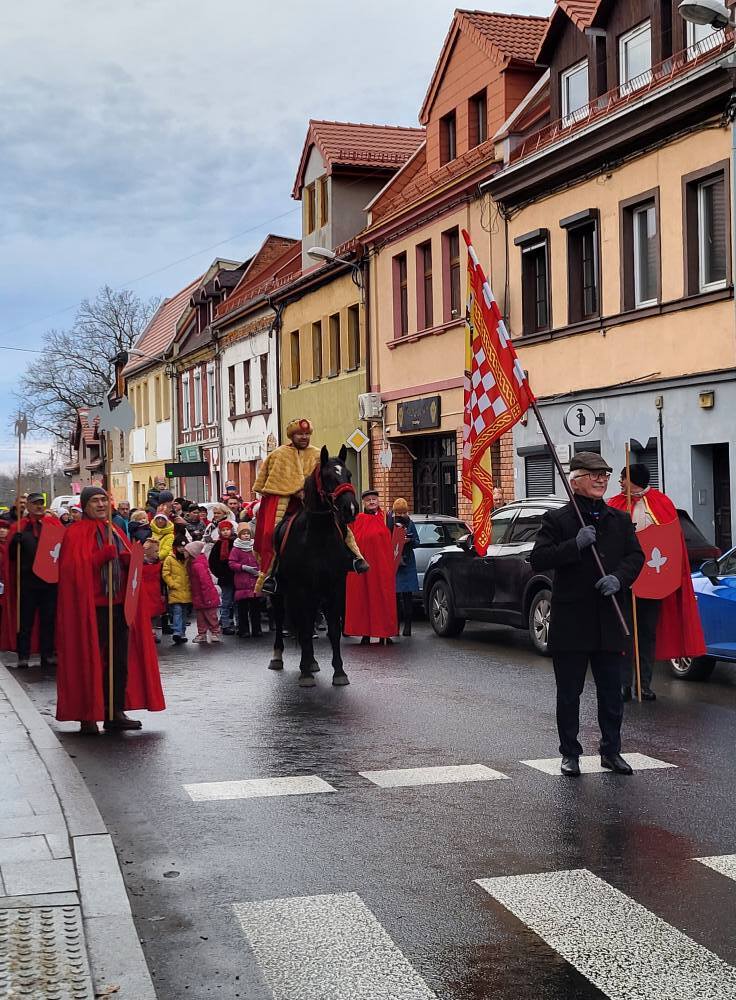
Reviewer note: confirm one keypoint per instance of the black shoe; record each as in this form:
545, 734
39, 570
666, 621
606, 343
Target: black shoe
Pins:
21, 665
570, 767
365, 641
360, 566
228, 631
615, 762
167, 630
626, 693
180, 640
48, 664
407, 629
648, 695
243, 635
270, 586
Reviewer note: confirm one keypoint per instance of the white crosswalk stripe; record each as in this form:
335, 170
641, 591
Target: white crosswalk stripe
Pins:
725, 864
412, 776
592, 764
331, 946
621, 947
252, 788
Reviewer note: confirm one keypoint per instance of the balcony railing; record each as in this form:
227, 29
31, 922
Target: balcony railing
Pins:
628, 93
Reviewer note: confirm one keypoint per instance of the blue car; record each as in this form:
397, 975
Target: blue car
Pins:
715, 590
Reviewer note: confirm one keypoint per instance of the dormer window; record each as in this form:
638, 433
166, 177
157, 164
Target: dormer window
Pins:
574, 92
635, 58
478, 119
702, 38
448, 137
324, 204
310, 209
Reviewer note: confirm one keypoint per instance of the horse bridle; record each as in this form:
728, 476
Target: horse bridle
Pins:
339, 491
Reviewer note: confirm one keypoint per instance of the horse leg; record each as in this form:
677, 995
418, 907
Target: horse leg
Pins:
306, 631
277, 607
334, 631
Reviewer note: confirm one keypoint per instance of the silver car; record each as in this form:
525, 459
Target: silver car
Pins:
435, 532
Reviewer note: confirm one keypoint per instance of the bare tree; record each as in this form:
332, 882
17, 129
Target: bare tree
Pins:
75, 366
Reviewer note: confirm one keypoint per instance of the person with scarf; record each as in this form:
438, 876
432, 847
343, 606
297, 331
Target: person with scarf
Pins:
671, 627
220, 567
370, 599
90, 546
162, 529
244, 567
584, 627
205, 598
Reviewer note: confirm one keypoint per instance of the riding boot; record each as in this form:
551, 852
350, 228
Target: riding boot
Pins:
406, 600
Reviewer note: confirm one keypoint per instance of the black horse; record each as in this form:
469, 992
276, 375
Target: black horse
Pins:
313, 564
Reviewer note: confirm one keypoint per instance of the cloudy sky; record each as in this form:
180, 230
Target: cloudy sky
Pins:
138, 140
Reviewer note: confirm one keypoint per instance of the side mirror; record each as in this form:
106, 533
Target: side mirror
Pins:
710, 570
465, 542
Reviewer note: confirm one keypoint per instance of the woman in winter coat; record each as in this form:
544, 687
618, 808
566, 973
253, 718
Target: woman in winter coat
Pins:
176, 577
205, 598
162, 529
407, 581
139, 527
244, 565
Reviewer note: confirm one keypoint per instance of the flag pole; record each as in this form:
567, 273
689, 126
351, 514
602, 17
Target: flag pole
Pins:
19, 426
110, 540
637, 660
573, 501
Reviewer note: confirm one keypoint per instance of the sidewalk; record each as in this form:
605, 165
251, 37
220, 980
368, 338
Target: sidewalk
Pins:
66, 929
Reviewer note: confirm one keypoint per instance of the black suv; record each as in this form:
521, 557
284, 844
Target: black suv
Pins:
500, 587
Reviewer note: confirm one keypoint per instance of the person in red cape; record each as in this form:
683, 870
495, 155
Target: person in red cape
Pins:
370, 598
670, 627
82, 635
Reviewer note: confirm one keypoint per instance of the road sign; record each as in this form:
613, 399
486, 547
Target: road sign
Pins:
358, 440
186, 470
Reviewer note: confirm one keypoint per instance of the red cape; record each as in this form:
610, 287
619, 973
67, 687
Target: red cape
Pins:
679, 630
79, 681
370, 598
9, 619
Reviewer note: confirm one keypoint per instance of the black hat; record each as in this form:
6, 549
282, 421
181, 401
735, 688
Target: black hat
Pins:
368, 493
88, 492
638, 474
35, 498
589, 461
165, 496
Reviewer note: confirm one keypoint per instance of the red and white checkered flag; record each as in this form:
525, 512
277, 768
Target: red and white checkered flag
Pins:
497, 394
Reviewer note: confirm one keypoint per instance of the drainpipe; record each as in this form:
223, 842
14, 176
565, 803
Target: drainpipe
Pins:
365, 287
218, 397
275, 331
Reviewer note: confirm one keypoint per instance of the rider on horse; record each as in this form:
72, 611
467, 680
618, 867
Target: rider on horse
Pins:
280, 482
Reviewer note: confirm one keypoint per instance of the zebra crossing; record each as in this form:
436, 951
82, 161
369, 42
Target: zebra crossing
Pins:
333, 945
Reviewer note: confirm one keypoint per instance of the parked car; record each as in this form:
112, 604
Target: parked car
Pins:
698, 547
715, 592
436, 531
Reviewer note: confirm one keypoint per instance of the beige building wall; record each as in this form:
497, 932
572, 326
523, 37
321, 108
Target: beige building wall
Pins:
151, 443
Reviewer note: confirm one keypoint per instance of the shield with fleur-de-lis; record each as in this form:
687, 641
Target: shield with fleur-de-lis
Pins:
661, 574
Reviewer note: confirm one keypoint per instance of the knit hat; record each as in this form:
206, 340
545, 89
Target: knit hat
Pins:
88, 492
400, 506
301, 424
194, 549
165, 496
243, 527
160, 515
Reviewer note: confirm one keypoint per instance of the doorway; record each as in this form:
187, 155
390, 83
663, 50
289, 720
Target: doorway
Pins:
435, 474
722, 497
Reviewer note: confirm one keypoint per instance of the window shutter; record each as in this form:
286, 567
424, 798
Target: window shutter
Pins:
540, 475
649, 457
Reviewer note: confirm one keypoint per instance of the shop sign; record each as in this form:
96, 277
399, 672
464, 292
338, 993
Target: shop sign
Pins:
419, 414
190, 453
580, 420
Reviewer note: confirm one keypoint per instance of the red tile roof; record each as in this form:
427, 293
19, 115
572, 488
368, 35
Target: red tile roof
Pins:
381, 147
160, 332
581, 12
89, 431
286, 265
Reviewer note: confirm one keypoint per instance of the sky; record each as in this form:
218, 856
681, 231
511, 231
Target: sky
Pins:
140, 140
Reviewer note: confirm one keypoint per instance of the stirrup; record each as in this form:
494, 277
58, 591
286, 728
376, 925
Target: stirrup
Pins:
269, 586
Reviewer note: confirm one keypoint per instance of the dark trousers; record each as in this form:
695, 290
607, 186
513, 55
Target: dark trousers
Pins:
249, 616
570, 670
41, 601
405, 608
647, 616
120, 655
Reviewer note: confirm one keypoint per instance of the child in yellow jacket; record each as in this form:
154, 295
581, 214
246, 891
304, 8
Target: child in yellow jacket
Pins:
176, 577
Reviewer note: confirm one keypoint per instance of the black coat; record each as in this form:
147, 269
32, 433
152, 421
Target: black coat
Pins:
582, 619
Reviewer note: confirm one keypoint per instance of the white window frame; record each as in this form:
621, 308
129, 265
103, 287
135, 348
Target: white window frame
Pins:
640, 303
211, 394
707, 286
712, 36
186, 415
568, 116
625, 85
197, 380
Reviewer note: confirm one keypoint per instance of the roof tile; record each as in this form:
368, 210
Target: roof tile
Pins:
160, 332
515, 37
581, 12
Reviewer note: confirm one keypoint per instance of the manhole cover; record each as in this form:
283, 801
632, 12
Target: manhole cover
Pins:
42, 954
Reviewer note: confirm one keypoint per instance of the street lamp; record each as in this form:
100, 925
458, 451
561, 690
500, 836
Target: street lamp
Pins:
326, 255
711, 12
51, 470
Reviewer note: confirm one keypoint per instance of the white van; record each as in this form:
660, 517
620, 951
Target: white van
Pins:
59, 504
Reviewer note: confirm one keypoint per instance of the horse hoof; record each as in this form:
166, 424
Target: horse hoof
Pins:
315, 667
276, 665
307, 681
340, 680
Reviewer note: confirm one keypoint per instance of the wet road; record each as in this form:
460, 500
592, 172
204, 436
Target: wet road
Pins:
379, 884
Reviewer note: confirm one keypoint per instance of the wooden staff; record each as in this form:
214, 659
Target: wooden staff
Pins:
17, 528
637, 662
111, 541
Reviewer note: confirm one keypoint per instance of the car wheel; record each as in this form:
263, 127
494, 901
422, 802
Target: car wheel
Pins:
692, 668
539, 612
442, 611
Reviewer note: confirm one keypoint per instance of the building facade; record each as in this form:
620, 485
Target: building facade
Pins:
618, 208
86, 465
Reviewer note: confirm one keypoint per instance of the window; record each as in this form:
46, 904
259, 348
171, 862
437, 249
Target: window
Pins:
121, 445
539, 472
353, 337
247, 396
424, 286
324, 207
640, 253
157, 397
702, 38
186, 418
477, 119
146, 410
264, 381
574, 94
712, 234
166, 398
211, 395
582, 265
316, 351
296, 368
401, 296
310, 215
500, 525
197, 380
448, 138
335, 344
526, 525
635, 58
535, 280
451, 274
430, 534
231, 390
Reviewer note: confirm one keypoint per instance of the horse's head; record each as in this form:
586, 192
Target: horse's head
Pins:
336, 485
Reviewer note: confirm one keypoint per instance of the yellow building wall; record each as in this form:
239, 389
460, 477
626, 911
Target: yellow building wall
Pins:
330, 402
141, 394
664, 344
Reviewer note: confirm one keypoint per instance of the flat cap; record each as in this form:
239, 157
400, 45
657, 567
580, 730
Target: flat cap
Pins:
368, 493
36, 498
590, 461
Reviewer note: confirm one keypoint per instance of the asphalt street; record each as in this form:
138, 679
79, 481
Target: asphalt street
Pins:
521, 886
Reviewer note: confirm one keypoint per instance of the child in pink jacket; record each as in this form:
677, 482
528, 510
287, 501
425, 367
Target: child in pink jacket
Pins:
205, 597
